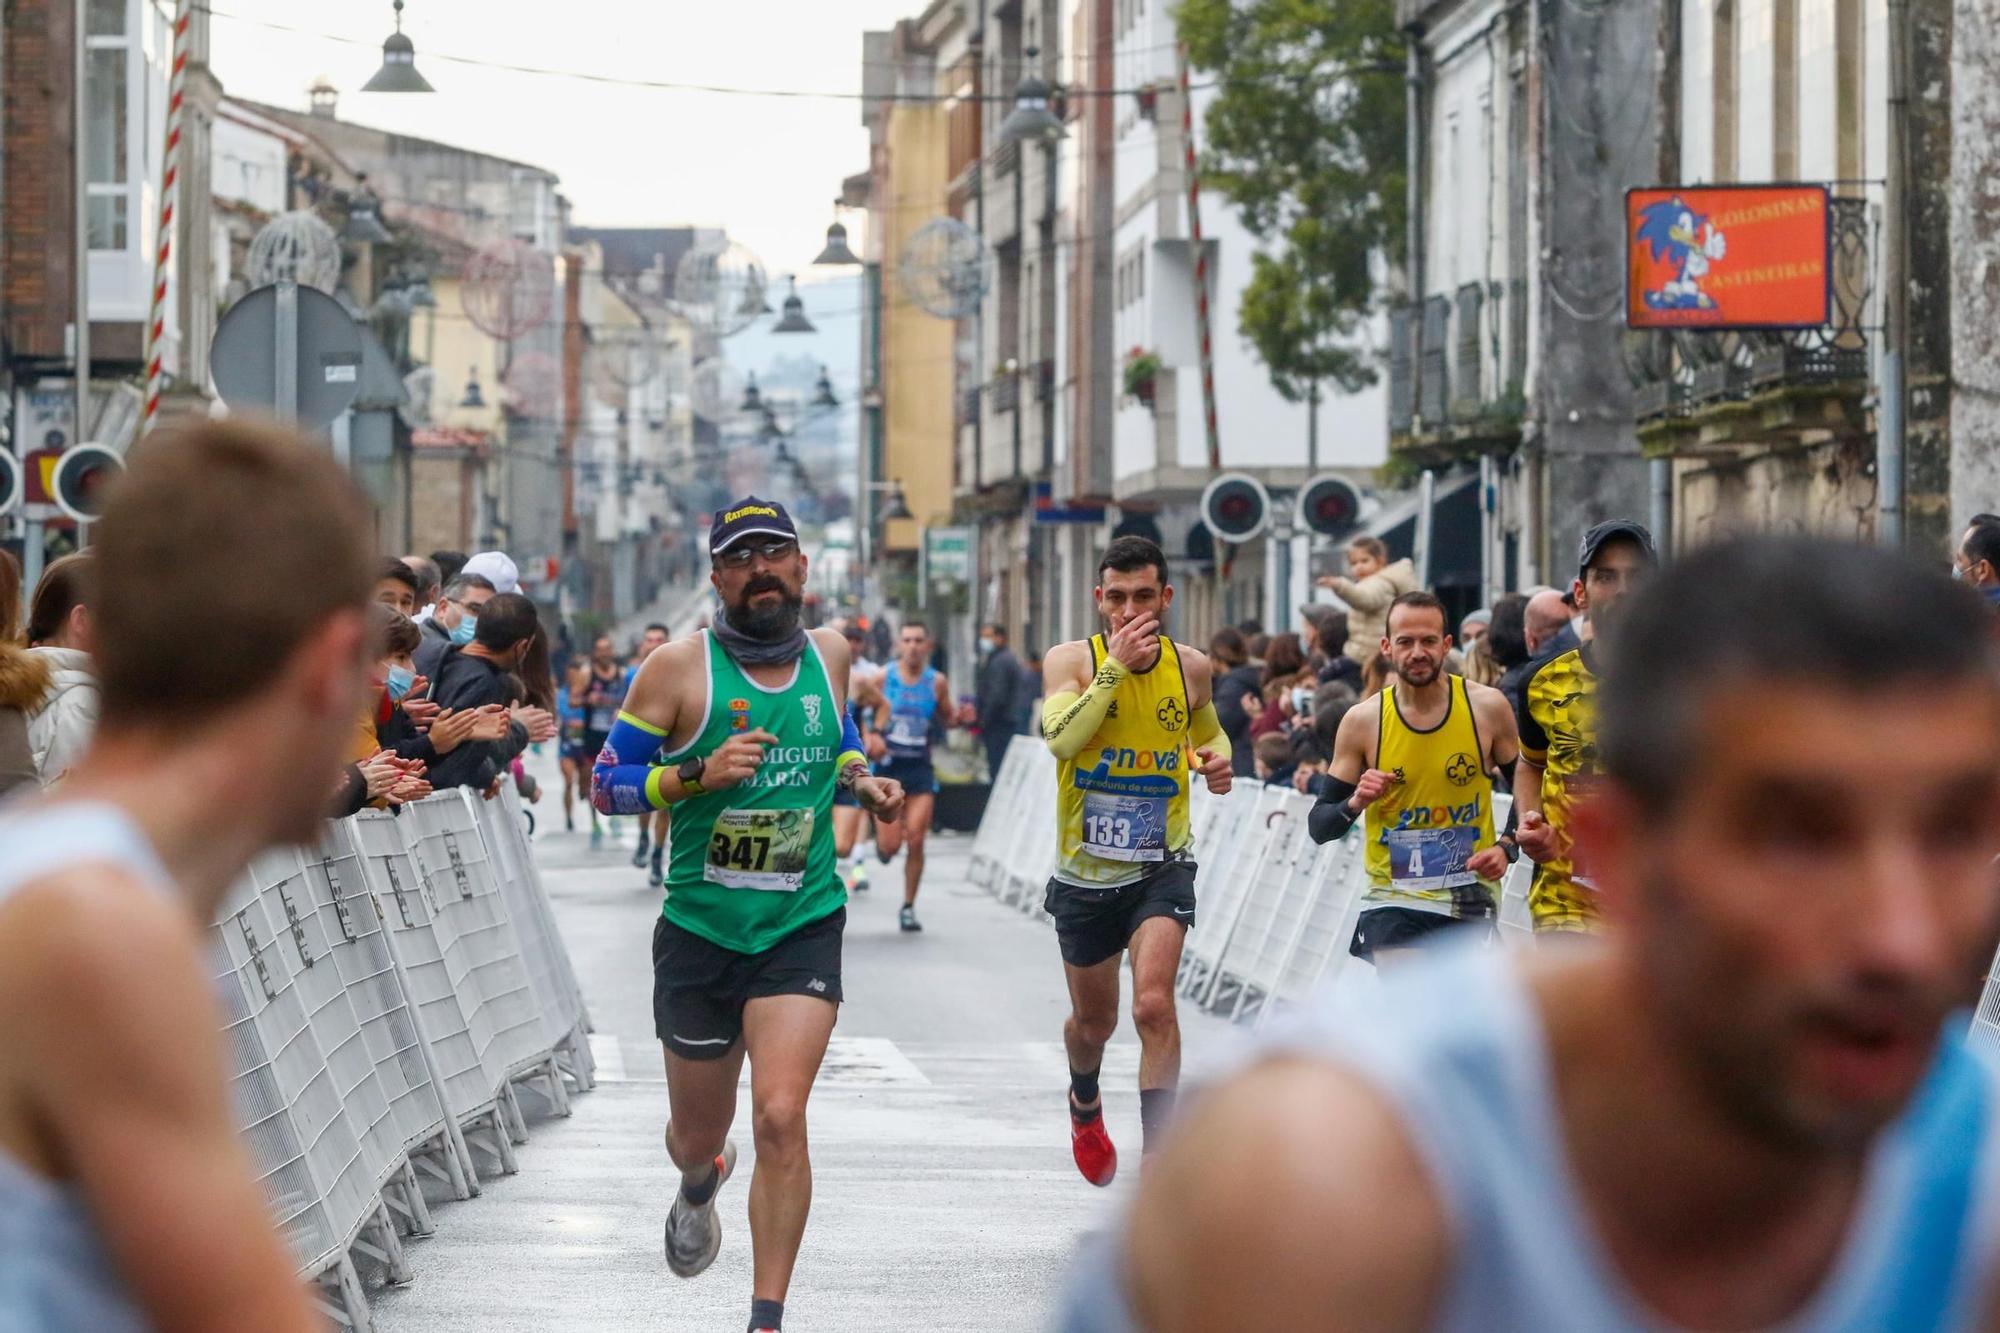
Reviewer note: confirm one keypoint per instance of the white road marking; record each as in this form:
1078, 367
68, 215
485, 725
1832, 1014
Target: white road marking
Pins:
850, 1062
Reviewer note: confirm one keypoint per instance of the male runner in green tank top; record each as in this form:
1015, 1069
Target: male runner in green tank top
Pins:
748, 720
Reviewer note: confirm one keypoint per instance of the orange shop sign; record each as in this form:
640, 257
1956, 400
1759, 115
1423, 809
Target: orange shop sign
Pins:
1728, 257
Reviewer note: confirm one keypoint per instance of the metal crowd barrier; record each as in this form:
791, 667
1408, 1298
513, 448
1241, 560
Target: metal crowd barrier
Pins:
1277, 910
385, 994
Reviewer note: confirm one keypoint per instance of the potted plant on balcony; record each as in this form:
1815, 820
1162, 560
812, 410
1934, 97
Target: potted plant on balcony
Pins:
1142, 370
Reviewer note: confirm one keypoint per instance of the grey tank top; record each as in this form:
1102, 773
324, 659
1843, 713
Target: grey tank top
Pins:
1457, 1046
55, 1274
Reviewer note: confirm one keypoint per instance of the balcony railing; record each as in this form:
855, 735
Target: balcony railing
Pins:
1680, 374
1443, 396
1006, 393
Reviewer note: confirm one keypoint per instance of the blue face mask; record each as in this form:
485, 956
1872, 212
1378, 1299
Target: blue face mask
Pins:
468, 625
400, 680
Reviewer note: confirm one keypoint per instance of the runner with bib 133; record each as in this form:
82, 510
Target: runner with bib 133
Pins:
1128, 716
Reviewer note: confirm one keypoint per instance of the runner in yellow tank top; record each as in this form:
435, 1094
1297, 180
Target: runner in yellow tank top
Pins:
1128, 715
1419, 760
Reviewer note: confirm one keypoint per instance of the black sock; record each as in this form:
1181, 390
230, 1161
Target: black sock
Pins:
766, 1314
1082, 1092
1156, 1108
702, 1193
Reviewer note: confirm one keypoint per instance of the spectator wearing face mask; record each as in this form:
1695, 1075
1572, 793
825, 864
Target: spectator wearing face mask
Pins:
475, 677
453, 621
59, 637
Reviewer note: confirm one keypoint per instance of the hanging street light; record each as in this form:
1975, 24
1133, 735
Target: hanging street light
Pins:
823, 395
753, 401
795, 320
364, 219
399, 64
1031, 117
836, 251
420, 294
474, 400
897, 507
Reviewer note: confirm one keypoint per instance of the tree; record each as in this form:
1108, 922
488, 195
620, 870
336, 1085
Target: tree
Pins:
1306, 139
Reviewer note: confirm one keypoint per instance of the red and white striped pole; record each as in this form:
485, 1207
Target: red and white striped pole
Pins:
1201, 316
170, 172
1200, 265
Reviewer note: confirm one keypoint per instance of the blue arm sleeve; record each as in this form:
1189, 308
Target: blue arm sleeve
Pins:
850, 736
624, 780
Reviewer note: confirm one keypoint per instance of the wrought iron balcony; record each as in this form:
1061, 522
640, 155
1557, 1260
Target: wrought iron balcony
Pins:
1700, 392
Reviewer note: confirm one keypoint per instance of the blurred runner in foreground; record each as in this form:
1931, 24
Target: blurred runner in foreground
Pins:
1750, 1104
126, 1198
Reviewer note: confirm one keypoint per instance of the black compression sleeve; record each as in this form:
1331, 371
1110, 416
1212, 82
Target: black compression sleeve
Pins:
1329, 819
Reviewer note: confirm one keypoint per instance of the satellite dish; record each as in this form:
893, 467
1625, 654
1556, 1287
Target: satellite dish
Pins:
943, 268
715, 389
720, 288
298, 246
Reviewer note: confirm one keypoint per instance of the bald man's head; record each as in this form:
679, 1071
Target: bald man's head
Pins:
1543, 619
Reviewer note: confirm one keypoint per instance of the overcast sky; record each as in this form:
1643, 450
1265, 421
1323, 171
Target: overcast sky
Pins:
766, 168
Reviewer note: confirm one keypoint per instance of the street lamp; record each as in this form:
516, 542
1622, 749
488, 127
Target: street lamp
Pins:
836, 251
823, 395
1031, 117
364, 219
474, 400
399, 64
753, 401
897, 506
794, 320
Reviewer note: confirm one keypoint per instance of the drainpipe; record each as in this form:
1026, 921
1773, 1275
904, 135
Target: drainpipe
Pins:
1892, 415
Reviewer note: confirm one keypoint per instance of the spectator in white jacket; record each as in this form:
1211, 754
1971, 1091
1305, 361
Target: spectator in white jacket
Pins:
59, 637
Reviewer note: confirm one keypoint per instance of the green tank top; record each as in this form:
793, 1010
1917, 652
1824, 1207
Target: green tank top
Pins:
752, 864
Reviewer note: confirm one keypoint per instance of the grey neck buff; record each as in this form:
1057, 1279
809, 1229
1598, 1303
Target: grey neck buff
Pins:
786, 644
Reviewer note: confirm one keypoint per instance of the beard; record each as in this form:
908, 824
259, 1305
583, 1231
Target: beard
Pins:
1419, 676
774, 622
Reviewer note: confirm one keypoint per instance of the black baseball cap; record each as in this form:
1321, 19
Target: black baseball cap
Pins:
749, 517
1612, 530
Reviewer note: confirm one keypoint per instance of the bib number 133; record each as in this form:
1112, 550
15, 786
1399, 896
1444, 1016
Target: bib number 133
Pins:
1107, 831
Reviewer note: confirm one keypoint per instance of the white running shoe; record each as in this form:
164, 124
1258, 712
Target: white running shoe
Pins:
694, 1232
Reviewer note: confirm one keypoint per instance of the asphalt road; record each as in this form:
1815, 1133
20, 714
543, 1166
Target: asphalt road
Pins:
944, 1194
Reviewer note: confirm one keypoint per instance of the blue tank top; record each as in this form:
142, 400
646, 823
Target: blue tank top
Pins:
912, 710
55, 1273
1461, 1056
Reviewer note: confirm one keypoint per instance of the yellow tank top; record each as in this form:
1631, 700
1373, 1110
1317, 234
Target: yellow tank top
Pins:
1122, 802
1424, 829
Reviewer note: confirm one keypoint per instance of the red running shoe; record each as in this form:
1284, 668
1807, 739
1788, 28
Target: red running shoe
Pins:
1090, 1144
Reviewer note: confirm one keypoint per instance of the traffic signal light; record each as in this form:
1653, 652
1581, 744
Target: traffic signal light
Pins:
81, 476
1329, 506
1236, 507
10, 480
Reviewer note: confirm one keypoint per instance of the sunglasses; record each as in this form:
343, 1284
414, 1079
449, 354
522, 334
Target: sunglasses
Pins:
740, 556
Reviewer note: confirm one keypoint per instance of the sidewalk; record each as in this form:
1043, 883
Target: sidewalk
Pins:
945, 1197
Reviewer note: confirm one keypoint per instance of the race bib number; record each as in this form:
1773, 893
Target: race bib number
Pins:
907, 730
1431, 858
759, 849
1125, 828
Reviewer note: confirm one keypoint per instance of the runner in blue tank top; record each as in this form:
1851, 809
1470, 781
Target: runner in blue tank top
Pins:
916, 700
1751, 1104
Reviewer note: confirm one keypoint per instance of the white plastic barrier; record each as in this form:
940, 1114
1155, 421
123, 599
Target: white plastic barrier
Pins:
382, 993
1277, 911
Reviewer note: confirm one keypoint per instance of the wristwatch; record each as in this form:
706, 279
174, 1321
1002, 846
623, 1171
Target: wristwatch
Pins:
1510, 846
689, 773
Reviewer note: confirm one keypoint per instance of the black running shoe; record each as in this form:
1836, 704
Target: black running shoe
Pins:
908, 918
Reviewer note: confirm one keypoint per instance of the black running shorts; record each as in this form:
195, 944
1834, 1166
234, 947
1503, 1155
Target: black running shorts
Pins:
1095, 924
700, 988
1407, 928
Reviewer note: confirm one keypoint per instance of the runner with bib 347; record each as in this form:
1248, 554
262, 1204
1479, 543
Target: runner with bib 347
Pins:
1128, 716
750, 721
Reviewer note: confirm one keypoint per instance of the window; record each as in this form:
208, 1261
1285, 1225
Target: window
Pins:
108, 124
